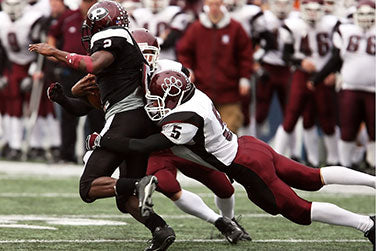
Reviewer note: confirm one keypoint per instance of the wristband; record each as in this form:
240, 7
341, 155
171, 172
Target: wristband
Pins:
74, 60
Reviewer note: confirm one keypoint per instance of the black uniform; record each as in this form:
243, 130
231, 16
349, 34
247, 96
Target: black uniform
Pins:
117, 82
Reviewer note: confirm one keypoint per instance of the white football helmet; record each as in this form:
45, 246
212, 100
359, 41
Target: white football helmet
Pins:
312, 10
14, 8
281, 8
365, 14
155, 5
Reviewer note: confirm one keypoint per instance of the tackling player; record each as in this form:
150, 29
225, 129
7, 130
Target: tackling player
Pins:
193, 129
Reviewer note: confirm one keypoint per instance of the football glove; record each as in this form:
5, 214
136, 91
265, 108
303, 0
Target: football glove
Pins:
55, 92
93, 141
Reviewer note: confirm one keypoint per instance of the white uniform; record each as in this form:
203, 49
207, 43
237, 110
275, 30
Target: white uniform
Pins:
251, 18
15, 38
274, 56
157, 24
212, 142
311, 42
357, 50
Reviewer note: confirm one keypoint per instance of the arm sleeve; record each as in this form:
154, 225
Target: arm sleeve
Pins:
287, 55
75, 106
171, 39
333, 65
125, 145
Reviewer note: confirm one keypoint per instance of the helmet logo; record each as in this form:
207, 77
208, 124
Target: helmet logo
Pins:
98, 14
172, 86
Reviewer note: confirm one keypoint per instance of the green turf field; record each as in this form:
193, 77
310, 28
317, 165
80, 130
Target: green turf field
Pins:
46, 213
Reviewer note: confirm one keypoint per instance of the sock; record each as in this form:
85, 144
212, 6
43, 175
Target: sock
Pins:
331, 149
192, 204
225, 206
125, 186
346, 176
371, 153
332, 214
346, 148
283, 141
311, 145
16, 133
154, 221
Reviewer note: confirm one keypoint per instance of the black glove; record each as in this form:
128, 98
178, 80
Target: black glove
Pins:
55, 92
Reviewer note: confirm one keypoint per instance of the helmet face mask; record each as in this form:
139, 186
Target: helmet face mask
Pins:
101, 15
165, 92
148, 45
14, 8
281, 8
365, 15
312, 11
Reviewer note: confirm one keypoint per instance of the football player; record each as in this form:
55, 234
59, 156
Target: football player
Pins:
270, 57
156, 16
17, 22
354, 50
192, 127
307, 46
118, 64
164, 165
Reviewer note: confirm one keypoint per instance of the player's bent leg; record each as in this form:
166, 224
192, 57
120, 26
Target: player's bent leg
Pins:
145, 188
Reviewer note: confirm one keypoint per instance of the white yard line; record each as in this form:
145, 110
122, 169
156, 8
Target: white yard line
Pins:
180, 240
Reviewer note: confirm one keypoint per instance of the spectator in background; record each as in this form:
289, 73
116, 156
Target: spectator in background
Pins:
218, 52
67, 31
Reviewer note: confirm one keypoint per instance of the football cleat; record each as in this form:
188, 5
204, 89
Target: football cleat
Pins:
145, 188
370, 234
229, 229
163, 237
245, 236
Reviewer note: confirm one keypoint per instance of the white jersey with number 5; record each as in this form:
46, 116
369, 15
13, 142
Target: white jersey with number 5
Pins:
207, 139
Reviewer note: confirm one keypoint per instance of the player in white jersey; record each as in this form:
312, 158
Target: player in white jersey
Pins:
156, 16
355, 46
16, 23
192, 128
277, 74
307, 46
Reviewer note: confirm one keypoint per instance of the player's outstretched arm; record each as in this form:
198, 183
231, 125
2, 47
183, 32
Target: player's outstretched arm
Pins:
74, 106
90, 64
118, 143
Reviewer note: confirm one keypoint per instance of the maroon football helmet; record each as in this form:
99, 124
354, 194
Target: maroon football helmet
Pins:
148, 45
101, 15
167, 90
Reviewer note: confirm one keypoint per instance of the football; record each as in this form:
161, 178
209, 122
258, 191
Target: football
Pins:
94, 99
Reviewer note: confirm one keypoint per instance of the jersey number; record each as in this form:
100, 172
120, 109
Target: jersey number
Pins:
175, 132
13, 43
107, 43
323, 45
353, 45
226, 132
